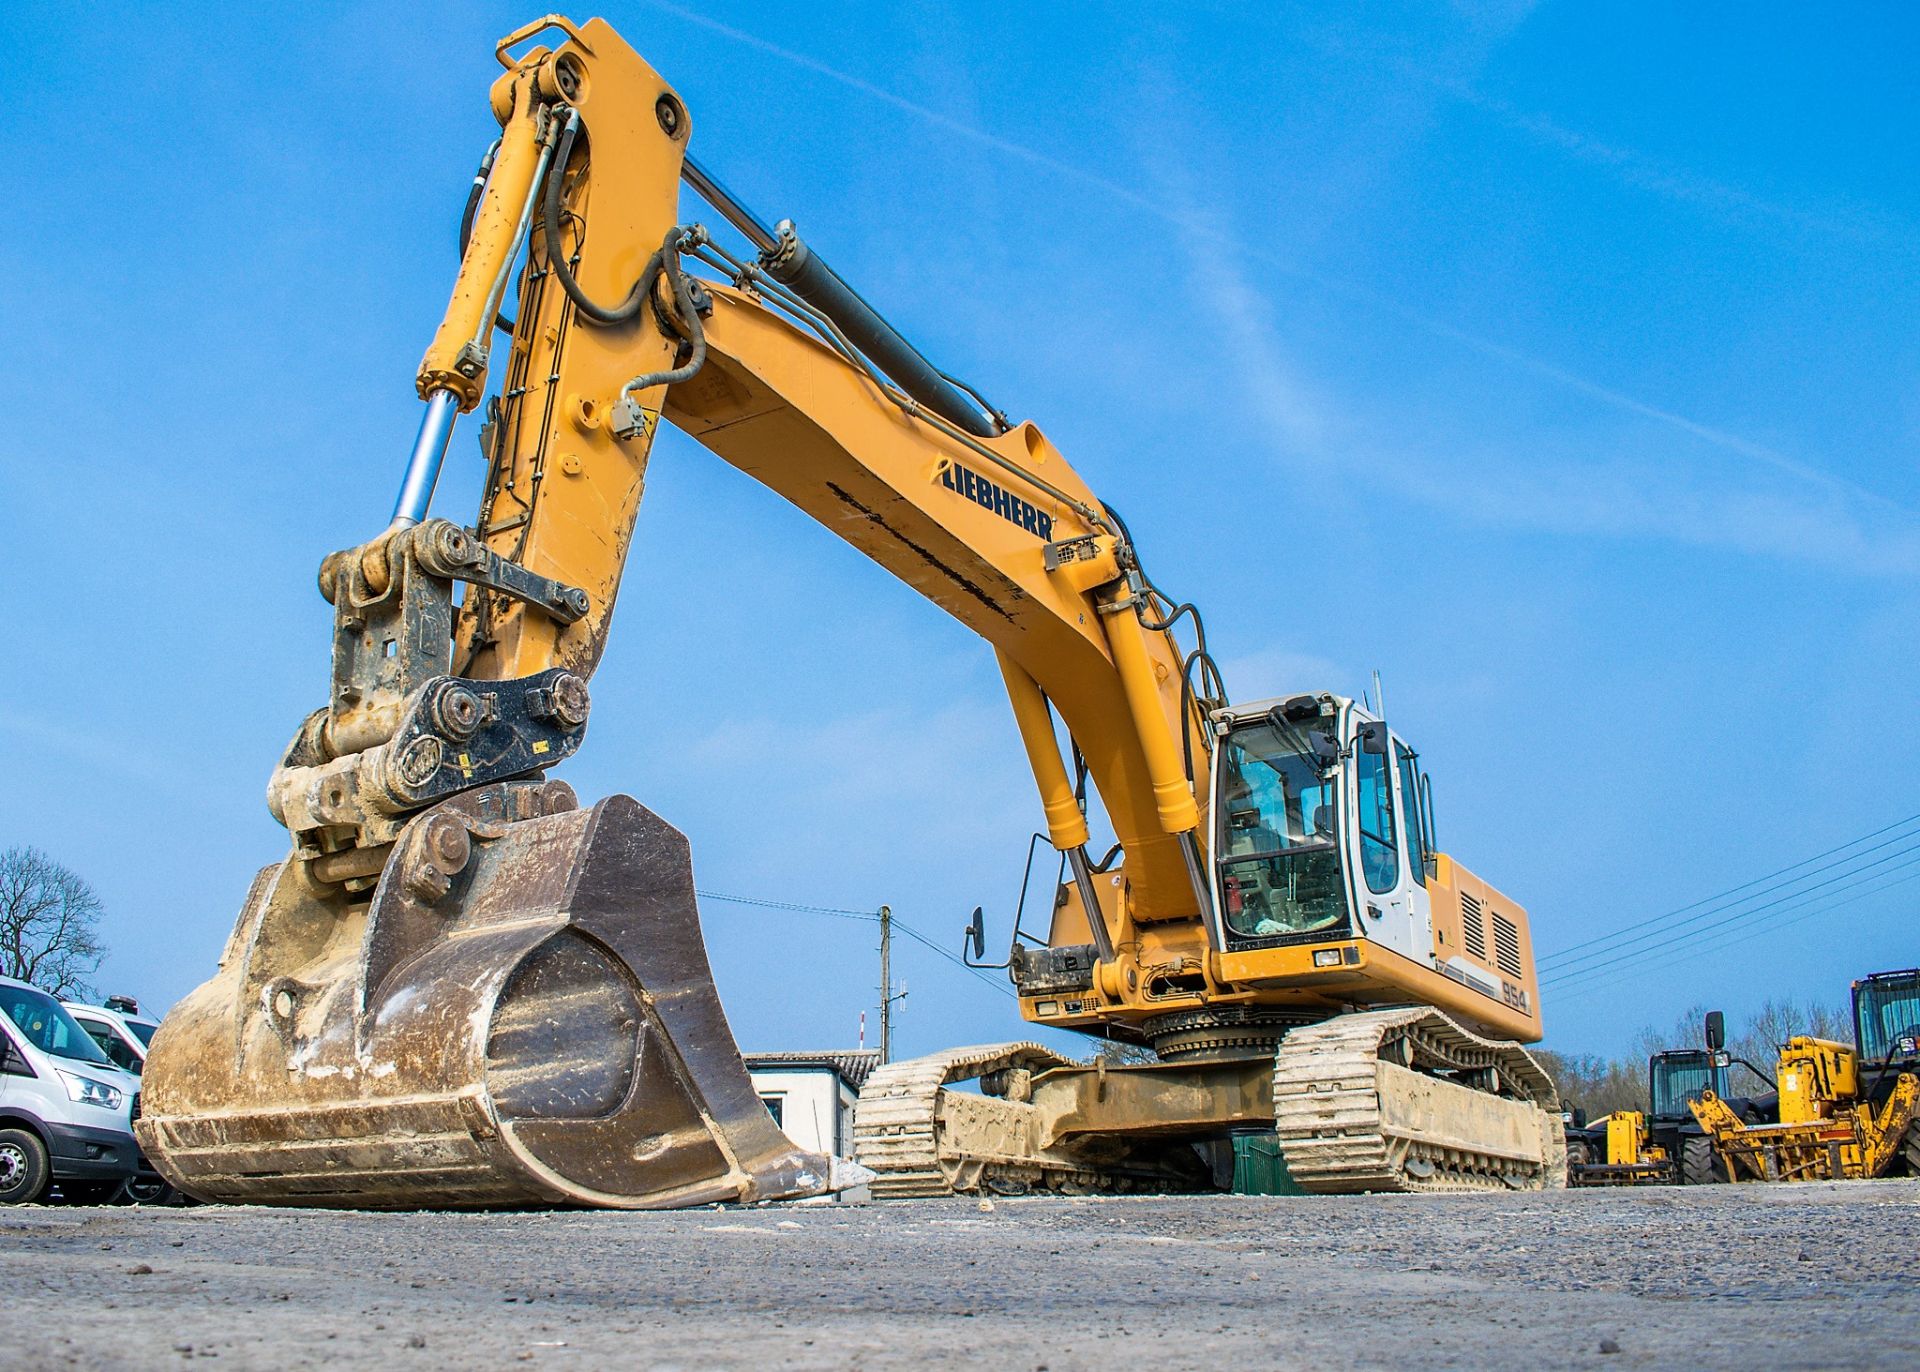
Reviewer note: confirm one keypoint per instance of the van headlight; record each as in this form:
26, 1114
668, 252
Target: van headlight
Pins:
87, 1091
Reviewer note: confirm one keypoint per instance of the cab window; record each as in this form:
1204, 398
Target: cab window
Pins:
1379, 847
1417, 853
111, 1044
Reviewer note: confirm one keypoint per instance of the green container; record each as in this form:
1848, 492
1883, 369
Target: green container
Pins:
1258, 1168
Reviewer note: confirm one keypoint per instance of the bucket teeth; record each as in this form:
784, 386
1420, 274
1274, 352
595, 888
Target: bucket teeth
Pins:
534, 1024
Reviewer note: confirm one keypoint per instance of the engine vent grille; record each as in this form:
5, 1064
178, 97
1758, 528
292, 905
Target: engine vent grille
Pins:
1506, 945
1472, 927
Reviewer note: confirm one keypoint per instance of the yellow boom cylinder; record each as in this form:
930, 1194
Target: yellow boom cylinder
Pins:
1066, 826
1172, 797
453, 362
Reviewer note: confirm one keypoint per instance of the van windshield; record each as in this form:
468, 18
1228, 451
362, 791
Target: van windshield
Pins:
44, 1022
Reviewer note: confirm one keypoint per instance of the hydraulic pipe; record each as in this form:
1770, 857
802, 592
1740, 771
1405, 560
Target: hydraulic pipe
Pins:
707, 186
804, 272
1202, 891
1090, 902
423, 463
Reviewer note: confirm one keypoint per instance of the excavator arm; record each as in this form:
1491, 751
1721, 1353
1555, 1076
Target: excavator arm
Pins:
985, 519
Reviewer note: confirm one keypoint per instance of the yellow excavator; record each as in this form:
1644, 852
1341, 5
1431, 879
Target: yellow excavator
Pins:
461, 988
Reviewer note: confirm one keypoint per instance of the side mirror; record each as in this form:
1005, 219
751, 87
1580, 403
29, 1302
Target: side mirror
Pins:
1716, 1031
1373, 737
977, 934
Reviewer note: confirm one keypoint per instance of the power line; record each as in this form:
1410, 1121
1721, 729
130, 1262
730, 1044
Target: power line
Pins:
976, 973
869, 916
1600, 960
1586, 988
872, 916
1773, 923
1567, 953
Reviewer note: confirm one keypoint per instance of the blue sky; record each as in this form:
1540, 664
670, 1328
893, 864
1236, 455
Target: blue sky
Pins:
1555, 361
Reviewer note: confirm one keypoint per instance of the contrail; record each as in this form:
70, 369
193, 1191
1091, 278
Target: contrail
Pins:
1348, 290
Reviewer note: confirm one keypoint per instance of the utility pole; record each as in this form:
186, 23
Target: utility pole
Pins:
887, 998
886, 984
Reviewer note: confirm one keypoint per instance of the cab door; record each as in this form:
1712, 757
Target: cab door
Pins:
1390, 874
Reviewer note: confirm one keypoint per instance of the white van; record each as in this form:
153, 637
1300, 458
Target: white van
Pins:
66, 1112
123, 1034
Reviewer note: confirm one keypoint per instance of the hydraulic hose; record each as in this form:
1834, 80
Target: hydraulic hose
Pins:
666, 260
474, 195
557, 250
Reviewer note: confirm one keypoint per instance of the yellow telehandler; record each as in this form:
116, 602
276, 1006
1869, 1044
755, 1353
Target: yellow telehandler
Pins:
1846, 1111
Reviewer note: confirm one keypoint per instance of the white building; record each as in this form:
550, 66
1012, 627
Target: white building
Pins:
811, 1096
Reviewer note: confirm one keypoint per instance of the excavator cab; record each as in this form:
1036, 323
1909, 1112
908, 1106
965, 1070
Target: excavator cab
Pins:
1320, 829
1324, 854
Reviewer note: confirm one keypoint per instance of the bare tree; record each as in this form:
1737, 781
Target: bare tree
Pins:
1600, 1085
49, 923
1117, 1054
1779, 1020
1595, 1084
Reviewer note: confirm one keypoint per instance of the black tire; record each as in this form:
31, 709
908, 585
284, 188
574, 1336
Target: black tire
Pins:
1699, 1163
89, 1192
24, 1170
147, 1190
1911, 1149
1578, 1154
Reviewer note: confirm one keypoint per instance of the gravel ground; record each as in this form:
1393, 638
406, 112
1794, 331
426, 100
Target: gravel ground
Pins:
1817, 1275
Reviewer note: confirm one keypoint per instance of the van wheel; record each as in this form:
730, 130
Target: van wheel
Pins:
148, 1191
23, 1167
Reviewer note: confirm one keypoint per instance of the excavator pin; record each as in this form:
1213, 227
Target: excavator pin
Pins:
519, 1011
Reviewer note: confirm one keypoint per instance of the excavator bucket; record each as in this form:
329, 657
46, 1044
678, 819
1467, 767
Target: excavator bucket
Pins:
519, 1012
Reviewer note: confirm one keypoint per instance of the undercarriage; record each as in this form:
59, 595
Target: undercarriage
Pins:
1384, 1100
